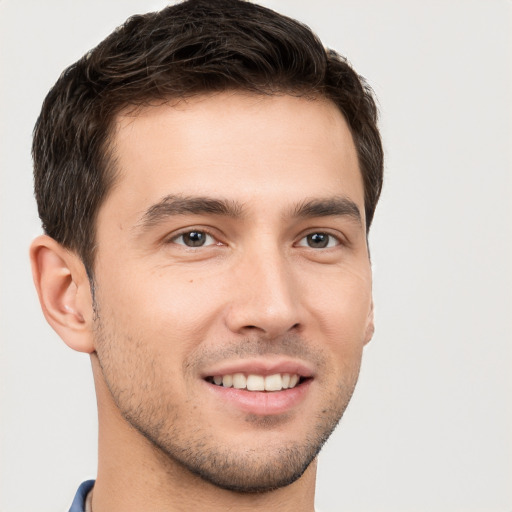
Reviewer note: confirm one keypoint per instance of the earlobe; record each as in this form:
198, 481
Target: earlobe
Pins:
370, 325
64, 292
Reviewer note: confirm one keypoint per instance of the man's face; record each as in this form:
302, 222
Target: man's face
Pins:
232, 254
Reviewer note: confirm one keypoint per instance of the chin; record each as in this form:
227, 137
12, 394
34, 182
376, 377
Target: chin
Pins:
253, 472
260, 468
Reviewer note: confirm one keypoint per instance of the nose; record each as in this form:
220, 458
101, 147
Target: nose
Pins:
265, 297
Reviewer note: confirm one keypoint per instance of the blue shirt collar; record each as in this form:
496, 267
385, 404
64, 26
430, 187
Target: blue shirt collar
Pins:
78, 504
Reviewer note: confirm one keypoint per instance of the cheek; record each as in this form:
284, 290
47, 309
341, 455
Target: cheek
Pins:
341, 315
341, 302
167, 310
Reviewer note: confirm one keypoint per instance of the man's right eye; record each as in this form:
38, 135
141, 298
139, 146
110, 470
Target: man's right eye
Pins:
194, 238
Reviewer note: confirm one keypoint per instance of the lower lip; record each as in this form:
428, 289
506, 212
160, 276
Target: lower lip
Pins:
262, 403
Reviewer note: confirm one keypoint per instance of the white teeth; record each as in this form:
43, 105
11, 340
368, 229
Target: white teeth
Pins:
273, 382
253, 382
239, 381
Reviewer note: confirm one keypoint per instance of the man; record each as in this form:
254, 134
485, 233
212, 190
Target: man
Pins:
206, 178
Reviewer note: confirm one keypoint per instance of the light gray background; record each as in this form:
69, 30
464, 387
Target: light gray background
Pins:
430, 425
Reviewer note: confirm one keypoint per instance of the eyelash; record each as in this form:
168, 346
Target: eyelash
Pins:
190, 231
331, 238
329, 244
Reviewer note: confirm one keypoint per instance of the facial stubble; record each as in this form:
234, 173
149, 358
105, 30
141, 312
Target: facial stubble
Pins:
131, 374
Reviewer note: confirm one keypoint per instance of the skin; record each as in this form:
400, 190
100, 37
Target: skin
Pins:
166, 315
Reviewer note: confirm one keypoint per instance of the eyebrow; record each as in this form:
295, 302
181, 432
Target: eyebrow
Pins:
337, 206
171, 205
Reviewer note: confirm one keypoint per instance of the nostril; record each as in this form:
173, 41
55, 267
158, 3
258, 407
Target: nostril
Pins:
294, 327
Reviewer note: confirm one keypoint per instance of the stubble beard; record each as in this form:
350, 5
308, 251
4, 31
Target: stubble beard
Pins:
255, 469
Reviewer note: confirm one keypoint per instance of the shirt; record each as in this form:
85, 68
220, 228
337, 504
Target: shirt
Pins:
79, 503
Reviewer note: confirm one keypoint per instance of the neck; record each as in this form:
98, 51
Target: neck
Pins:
135, 475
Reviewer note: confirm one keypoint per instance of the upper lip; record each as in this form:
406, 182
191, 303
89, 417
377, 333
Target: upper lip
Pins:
260, 366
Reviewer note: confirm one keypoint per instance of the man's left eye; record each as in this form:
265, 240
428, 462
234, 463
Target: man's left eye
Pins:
194, 239
319, 241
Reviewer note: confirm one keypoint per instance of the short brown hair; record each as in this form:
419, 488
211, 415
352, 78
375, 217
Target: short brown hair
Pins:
194, 47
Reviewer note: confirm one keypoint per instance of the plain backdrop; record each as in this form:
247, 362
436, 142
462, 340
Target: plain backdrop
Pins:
430, 425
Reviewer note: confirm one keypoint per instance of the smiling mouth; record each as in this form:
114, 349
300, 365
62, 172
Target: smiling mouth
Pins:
254, 382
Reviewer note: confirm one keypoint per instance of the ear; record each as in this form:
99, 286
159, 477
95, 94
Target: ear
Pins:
370, 325
64, 292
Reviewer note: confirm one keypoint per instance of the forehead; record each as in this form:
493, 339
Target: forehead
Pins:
251, 148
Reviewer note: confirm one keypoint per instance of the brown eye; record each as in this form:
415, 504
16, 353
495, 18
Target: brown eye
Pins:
194, 239
319, 241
